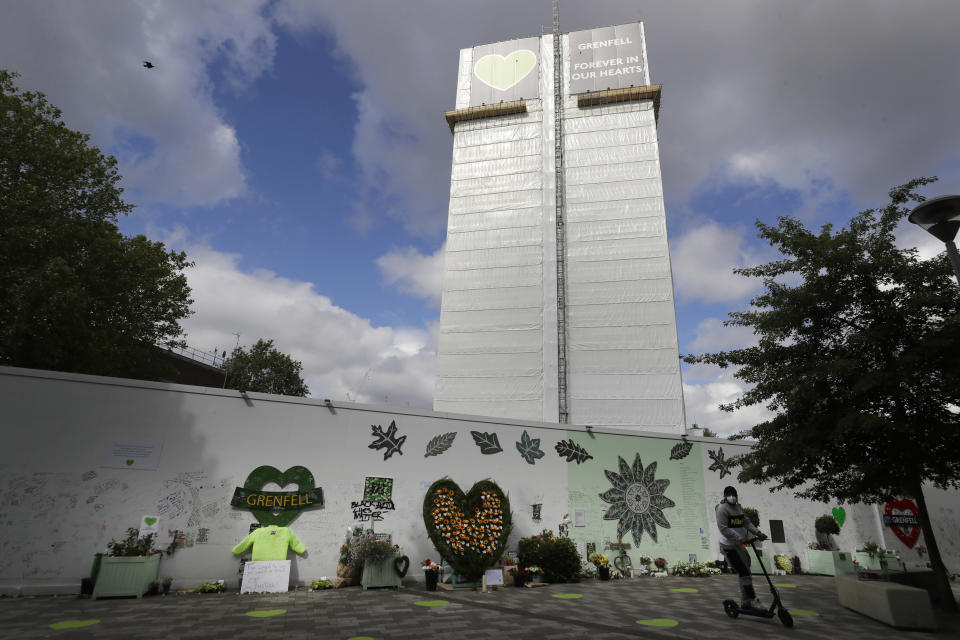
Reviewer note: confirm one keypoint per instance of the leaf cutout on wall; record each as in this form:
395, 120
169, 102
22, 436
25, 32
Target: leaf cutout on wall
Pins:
529, 448
572, 451
488, 442
440, 443
387, 439
681, 450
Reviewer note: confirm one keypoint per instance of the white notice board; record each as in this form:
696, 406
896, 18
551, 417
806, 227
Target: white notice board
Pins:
266, 576
494, 577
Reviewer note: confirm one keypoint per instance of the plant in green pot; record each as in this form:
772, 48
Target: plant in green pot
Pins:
129, 566
826, 526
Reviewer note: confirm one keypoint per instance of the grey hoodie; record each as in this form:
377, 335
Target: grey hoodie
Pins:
733, 524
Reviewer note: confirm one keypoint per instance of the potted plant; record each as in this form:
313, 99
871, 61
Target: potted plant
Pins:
826, 526
874, 557
431, 573
660, 564
535, 573
217, 586
128, 568
558, 557
165, 585
602, 563
321, 584
520, 577
384, 564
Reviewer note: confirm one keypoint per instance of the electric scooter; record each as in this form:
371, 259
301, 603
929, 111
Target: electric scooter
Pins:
733, 609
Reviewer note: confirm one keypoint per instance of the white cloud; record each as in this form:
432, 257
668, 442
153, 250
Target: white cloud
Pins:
343, 355
172, 141
798, 95
414, 273
702, 400
703, 261
910, 236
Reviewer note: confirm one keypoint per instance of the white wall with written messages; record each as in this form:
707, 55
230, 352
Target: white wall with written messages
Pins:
59, 505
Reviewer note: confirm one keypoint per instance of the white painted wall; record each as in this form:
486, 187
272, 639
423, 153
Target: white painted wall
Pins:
58, 506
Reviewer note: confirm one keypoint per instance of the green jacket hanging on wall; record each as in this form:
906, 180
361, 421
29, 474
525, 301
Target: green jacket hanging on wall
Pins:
270, 543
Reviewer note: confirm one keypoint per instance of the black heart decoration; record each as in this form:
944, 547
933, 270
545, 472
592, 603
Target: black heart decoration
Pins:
403, 561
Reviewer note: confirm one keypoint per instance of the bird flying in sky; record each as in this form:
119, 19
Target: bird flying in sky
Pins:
148, 64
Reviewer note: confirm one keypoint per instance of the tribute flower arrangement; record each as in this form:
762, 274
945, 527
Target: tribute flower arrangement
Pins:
470, 531
599, 560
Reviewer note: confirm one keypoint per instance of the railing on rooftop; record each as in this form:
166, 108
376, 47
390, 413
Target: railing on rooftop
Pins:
211, 358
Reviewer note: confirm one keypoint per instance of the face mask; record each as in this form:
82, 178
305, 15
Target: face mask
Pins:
732, 499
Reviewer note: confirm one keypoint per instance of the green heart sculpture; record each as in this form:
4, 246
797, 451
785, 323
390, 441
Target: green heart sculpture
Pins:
503, 72
262, 475
470, 531
840, 515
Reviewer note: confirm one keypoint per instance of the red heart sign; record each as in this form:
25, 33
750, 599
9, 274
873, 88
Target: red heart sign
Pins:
903, 505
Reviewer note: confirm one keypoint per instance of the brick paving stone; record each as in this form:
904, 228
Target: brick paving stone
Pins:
607, 611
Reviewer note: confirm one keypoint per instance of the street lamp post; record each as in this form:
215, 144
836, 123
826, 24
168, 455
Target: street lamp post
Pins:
941, 217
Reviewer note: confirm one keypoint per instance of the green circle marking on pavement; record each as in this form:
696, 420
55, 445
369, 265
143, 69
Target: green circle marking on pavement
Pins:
73, 624
568, 596
266, 613
431, 603
658, 622
803, 612
685, 590
784, 585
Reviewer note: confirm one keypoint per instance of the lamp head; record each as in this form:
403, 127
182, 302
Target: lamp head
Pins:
940, 216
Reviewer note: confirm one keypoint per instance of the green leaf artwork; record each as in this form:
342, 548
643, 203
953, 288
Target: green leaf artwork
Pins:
387, 439
378, 489
440, 443
840, 515
572, 451
488, 442
529, 448
681, 450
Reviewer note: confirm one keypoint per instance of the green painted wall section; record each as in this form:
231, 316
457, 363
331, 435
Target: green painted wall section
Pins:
688, 532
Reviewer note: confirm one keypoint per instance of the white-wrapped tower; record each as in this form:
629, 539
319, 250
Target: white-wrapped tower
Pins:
557, 291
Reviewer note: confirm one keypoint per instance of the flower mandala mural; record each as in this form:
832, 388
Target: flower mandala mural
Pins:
637, 499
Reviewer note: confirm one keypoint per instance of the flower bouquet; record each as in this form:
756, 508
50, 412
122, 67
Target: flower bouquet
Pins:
431, 572
602, 563
660, 564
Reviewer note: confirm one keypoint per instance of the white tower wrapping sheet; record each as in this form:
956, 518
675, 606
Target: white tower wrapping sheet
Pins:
498, 341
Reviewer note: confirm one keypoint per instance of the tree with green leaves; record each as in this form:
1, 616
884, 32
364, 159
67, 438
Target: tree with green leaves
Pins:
857, 359
266, 370
75, 294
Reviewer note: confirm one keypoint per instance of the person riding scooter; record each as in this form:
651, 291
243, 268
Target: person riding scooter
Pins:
734, 529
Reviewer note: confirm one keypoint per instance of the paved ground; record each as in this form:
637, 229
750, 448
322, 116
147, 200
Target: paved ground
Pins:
603, 610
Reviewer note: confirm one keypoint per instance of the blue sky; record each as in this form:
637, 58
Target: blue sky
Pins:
297, 150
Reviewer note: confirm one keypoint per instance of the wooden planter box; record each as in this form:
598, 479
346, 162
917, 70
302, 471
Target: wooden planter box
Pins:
821, 562
754, 565
873, 564
125, 576
380, 574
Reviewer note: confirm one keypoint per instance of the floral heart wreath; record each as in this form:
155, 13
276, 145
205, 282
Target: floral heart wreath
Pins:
470, 531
